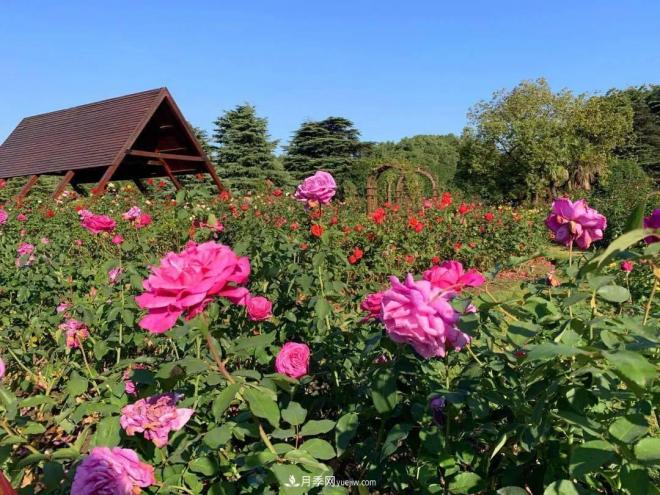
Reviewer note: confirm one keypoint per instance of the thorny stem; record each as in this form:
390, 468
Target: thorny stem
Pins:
18, 361
474, 355
89, 370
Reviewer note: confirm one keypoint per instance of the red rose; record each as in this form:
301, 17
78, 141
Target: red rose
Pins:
352, 259
435, 260
316, 230
277, 193
489, 217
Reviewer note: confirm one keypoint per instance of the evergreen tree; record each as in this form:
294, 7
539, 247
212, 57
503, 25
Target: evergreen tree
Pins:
332, 144
244, 151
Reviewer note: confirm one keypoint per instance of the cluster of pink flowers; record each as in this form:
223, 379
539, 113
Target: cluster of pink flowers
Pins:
155, 417
113, 471
25, 254
575, 222
320, 188
76, 332
184, 283
96, 223
293, 360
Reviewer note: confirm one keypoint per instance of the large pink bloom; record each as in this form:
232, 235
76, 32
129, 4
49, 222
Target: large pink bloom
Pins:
189, 280
113, 471
417, 313
293, 360
450, 276
96, 223
320, 188
155, 417
653, 222
575, 222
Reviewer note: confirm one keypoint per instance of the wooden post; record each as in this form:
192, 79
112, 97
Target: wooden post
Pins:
214, 176
26, 188
78, 188
171, 175
140, 186
100, 187
63, 183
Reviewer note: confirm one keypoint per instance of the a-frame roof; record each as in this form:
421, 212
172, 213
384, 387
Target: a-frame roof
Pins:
90, 136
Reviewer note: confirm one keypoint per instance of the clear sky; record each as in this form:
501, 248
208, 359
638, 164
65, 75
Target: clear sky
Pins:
395, 68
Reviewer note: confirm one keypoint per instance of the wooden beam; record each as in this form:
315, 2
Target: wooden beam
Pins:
214, 176
164, 156
140, 186
100, 187
169, 173
63, 183
79, 189
26, 188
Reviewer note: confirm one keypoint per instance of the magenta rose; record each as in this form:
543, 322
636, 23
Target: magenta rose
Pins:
155, 417
575, 223
3, 217
293, 360
450, 276
184, 283
97, 223
259, 308
372, 305
419, 314
652, 222
626, 266
320, 188
2, 368
113, 471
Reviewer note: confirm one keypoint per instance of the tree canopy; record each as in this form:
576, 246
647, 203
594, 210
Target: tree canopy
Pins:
244, 152
531, 142
332, 144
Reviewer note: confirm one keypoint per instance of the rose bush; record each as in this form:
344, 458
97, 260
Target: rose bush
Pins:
269, 362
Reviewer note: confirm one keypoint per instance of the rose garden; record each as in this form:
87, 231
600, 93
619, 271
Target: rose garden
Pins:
287, 342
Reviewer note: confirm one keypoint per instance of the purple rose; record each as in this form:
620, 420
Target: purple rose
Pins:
437, 406
652, 222
319, 188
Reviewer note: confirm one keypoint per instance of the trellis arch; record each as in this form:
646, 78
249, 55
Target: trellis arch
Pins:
372, 184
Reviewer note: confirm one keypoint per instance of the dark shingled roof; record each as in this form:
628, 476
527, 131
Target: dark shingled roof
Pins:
88, 136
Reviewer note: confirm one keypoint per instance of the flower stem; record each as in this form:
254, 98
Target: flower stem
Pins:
650, 303
216, 357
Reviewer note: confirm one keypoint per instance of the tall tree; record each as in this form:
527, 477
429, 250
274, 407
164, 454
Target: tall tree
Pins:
244, 150
530, 142
332, 144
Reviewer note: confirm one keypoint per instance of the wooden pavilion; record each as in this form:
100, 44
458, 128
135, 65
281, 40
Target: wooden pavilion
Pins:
131, 137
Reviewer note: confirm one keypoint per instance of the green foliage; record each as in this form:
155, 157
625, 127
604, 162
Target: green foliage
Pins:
531, 143
244, 151
332, 145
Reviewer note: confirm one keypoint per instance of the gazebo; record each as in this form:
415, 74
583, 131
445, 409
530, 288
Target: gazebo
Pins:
131, 137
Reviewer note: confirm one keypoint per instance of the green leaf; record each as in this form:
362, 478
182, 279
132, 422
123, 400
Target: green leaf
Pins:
345, 431
648, 450
627, 429
384, 393
590, 456
616, 247
203, 465
77, 384
263, 406
636, 218
224, 399
465, 483
394, 438
290, 478
294, 414
317, 427
499, 446
632, 366
511, 490
549, 350
561, 487
614, 293
218, 437
635, 480
107, 432
318, 448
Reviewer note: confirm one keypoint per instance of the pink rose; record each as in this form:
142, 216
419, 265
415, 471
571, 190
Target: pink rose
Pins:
76, 332
129, 385
63, 306
113, 471
186, 282
117, 239
653, 222
154, 417
25, 248
372, 305
114, 274
132, 214
575, 222
3, 217
259, 308
142, 221
21, 217
320, 187
450, 276
419, 314
627, 266
97, 223
293, 360
2, 368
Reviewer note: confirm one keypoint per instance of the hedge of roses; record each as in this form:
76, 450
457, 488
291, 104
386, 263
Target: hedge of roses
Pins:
286, 343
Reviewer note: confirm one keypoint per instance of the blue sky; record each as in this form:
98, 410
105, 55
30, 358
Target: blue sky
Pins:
395, 68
